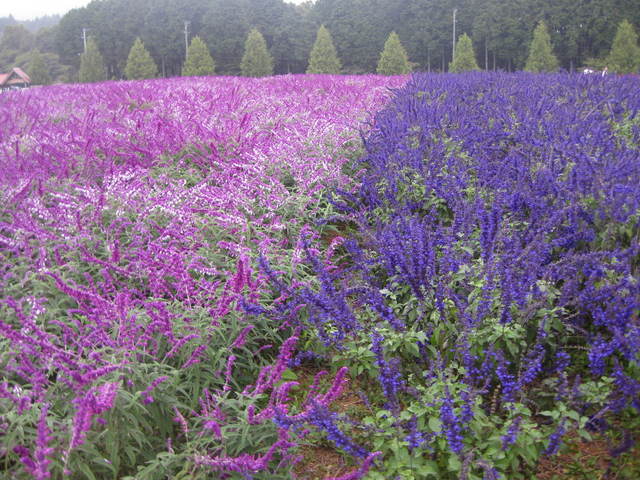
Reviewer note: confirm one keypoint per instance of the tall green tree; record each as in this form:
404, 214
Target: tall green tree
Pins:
541, 57
293, 38
625, 52
501, 30
55, 71
323, 57
199, 61
225, 31
91, 64
140, 65
16, 37
15, 40
163, 35
393, 59
465, 58
256, 61
38, 71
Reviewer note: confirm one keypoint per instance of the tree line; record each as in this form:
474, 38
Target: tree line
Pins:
256, 61
581, 32
32, 25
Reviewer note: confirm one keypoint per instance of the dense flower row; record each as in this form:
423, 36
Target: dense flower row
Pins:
127, 214
492, 279
498, 250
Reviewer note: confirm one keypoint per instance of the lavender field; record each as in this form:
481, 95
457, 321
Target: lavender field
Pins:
428, 277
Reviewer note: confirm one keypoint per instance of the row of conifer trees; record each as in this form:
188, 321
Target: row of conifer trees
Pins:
623, 58
256, 61
323, 58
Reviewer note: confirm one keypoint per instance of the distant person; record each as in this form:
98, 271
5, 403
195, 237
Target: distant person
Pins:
605, 71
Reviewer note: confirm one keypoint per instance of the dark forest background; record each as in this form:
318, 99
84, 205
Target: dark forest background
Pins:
581, 31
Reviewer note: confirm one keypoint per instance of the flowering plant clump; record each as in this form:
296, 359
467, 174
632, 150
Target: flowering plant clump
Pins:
180, 256
488, 285
129, 216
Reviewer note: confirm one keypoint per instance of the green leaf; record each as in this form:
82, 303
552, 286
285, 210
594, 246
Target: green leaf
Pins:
417, 409
84, 468
428, 468
383, 414
413, 349
454, 464
435, 424
395, 446
573, 415
531, 454
375, 476
585, 435
289, 375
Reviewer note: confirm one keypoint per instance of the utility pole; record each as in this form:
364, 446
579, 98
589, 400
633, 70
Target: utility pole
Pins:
453, 55
186, 38
84, 38
486, 55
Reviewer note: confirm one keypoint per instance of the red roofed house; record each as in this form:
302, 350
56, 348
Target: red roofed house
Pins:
16, 78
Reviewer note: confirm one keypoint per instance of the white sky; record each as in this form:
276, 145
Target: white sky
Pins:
28, 9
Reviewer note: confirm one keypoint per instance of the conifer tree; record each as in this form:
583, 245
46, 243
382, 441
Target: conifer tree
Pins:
38, 71
541, 57
625, 52
91, 64
465, 58
323, 57
256, 61
199, 61
140, 65
393, 59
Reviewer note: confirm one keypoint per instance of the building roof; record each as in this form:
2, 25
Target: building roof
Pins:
22, 75
14, 76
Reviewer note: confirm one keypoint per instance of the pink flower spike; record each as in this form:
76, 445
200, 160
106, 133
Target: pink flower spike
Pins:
214, 427
228, 372
242, 337
147, 398
339, 383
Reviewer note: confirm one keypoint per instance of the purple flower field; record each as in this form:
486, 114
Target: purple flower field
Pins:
196, 271
128, 214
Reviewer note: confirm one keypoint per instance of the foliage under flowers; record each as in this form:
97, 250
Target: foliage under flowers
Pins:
128, 215
480, 279
490, 283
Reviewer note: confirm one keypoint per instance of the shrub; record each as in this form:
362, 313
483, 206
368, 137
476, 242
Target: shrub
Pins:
465, 58
541, 57
140, 65
393, 59
625, 52
256, 61
199, 61
323, 57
